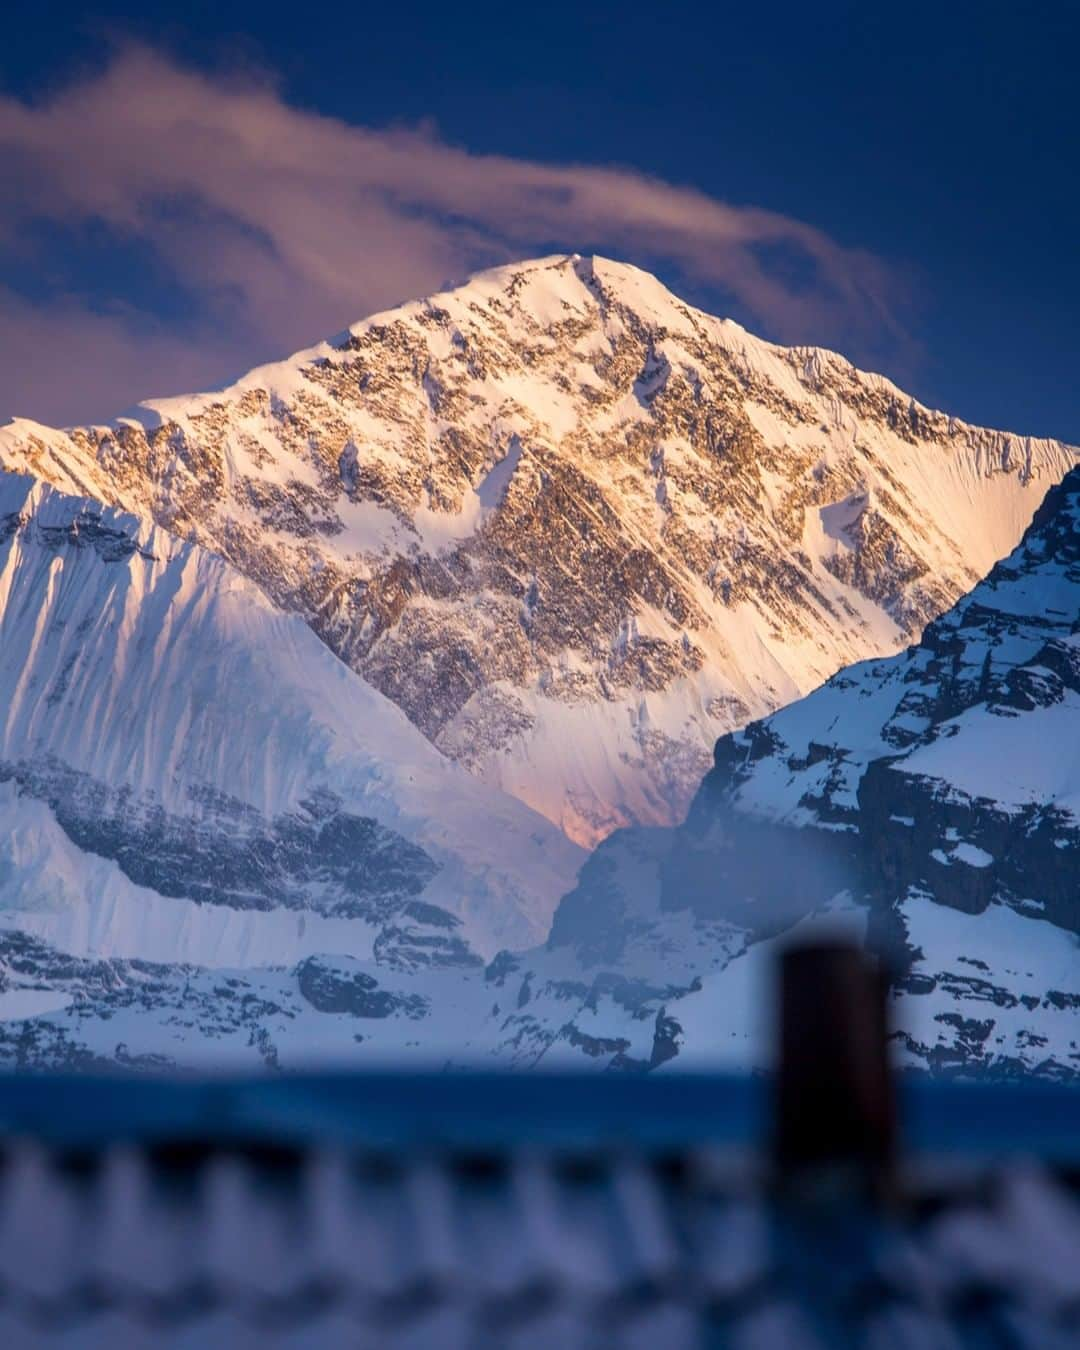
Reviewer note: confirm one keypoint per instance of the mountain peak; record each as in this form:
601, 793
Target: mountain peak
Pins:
556, 531
574, 528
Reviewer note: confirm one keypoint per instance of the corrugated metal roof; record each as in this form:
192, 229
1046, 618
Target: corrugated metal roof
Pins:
330, 1247
585, 1212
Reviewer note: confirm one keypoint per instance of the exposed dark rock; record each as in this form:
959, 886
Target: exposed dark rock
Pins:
333, 988
225, 853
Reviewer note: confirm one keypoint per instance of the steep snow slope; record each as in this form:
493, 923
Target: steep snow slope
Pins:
188, 774
574, 528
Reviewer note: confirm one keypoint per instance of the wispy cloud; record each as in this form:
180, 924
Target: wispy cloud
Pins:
280, 226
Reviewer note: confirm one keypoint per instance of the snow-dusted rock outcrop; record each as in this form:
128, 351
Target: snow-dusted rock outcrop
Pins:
572, 527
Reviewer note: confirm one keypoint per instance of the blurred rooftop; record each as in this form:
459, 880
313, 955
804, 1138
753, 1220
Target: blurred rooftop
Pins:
606, 1210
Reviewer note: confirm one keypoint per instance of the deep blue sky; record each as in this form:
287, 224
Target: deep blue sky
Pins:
944, 138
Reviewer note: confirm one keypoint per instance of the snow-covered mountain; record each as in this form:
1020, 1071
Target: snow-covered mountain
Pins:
572, 527
188, 775
928, 803
292, 674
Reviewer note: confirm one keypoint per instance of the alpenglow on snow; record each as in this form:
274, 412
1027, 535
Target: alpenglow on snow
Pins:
309, 681
572, 527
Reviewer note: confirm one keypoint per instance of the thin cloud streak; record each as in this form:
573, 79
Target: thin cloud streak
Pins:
280, 226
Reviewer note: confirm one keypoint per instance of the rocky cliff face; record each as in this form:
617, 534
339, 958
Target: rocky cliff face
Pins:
572, 527
956, 760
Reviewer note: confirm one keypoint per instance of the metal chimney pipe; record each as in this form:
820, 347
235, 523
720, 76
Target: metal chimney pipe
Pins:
835, 1108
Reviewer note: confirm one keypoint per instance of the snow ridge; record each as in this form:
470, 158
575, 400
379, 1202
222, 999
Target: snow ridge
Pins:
234, 784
